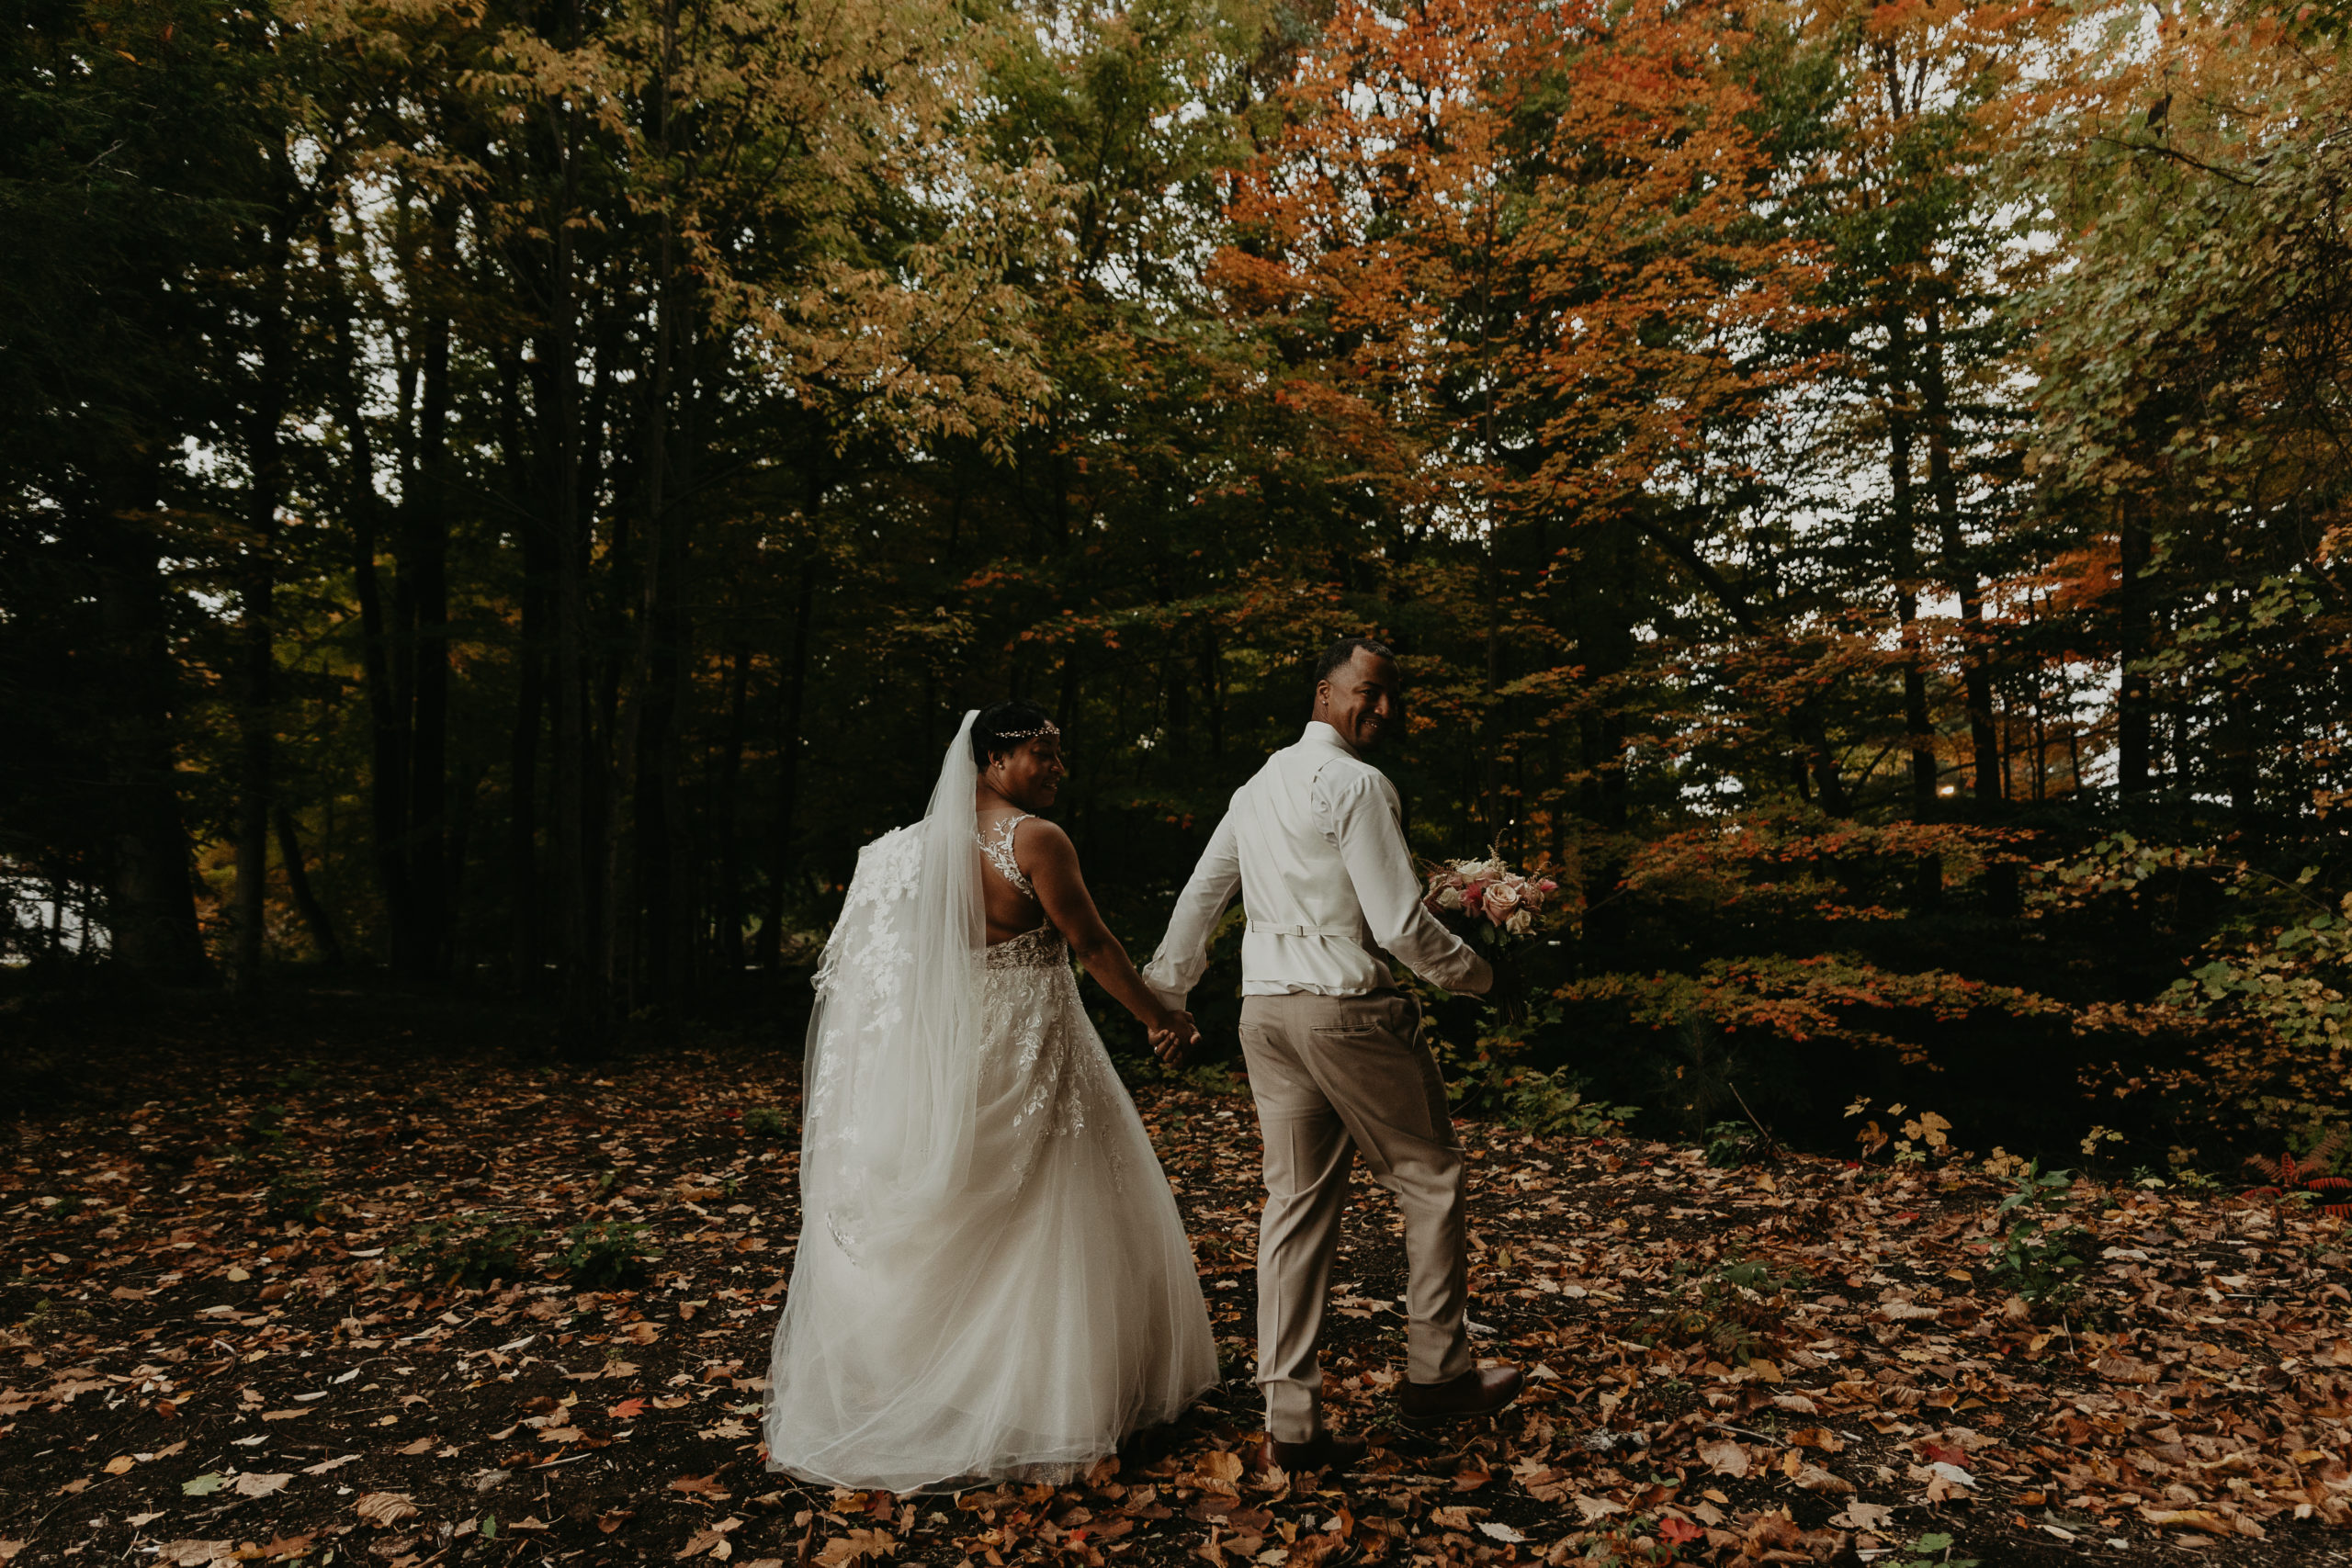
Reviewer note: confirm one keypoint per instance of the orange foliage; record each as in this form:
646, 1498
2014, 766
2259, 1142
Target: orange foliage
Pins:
1523, 226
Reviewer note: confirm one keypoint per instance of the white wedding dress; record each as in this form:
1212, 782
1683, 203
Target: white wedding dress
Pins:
992, 1280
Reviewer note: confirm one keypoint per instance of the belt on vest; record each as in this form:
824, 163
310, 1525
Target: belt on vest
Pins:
1345, 934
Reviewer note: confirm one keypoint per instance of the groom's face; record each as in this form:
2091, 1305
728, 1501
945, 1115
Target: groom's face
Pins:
1363, 700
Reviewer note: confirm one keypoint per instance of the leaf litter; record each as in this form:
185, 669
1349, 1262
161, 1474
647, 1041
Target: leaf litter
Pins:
1812, 1361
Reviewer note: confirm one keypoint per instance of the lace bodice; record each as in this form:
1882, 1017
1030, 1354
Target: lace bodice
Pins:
997, 844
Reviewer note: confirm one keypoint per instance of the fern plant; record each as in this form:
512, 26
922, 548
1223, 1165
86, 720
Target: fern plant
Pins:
2308, 1176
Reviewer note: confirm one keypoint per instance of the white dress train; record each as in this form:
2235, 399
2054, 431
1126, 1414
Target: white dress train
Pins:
1048, 1311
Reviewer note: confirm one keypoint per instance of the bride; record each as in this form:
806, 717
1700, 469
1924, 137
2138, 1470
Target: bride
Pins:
992, 1280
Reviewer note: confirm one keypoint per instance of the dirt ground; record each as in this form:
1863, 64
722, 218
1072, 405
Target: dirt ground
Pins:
228, 1335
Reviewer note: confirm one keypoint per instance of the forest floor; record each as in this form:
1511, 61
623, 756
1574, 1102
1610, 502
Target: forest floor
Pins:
217, 1341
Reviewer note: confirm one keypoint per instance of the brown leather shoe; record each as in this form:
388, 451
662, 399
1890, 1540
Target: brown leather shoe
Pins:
1324, 1451
1481, 1390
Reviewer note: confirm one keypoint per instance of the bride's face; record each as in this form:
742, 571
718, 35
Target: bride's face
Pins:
1030, 775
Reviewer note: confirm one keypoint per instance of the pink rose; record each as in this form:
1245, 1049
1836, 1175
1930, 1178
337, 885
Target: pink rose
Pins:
1474, 897
1501, 902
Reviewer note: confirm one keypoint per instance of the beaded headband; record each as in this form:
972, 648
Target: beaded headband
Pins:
1047, 727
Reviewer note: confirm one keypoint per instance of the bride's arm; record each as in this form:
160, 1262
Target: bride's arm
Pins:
1049, 860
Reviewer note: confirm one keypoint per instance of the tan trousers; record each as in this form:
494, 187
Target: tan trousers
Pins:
1335, 1075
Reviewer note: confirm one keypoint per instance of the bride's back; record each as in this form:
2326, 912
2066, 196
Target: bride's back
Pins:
1006, 896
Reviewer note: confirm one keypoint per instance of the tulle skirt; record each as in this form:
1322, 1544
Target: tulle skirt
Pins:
1027, 1332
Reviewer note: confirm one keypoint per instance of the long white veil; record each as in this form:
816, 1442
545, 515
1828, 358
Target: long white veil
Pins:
893, 1058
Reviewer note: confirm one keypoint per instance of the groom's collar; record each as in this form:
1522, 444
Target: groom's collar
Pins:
1319, 731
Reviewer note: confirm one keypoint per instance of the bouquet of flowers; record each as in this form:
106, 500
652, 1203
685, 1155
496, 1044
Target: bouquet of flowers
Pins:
1495, 900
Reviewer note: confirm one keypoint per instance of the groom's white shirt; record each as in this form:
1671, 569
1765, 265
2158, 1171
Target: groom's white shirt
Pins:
1316, 843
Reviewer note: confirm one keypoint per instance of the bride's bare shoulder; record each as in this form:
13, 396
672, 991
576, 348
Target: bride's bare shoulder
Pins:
1041, 841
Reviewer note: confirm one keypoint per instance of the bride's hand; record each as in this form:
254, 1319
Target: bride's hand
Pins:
1170, 1042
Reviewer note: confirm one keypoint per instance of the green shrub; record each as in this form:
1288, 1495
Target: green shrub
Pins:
1731, 1144
470, 1249
296, 1195
1550, 1105
2043, 1266
607, 1254
1733, 1312
766, 1121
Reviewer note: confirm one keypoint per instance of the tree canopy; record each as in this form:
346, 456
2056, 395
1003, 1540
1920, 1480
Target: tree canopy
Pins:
517, 493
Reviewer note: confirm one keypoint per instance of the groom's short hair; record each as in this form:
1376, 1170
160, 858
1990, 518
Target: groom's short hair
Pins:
1337, 656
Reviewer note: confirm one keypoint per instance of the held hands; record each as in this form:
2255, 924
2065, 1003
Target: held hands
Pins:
1172, 1040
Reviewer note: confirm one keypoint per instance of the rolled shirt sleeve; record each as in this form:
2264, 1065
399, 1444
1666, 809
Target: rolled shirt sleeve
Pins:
1360, 808
1183, 953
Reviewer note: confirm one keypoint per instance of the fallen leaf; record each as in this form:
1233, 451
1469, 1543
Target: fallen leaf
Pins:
1724, 1458
196, 1553
1862, 1515
202, 1485
384, 1509
858, 1546
2203, 1519
250, 1486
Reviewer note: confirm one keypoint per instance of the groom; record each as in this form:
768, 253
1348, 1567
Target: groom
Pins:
1316, 846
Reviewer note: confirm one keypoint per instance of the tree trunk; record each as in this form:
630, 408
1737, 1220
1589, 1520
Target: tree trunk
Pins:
256, 724
1918, 727
151, 898
790, 706
425, 558
525, 945
729, 894
2135, 703
387, 773
1976, 675
297, 883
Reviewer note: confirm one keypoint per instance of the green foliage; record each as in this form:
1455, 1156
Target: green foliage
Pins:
1734, 1311
606, 1254
766, 1121
1930, 1551
2043, 1264
1213, 1077
302, 1074
1731, 1144
296, 1194
1550, 1105
469, 1250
